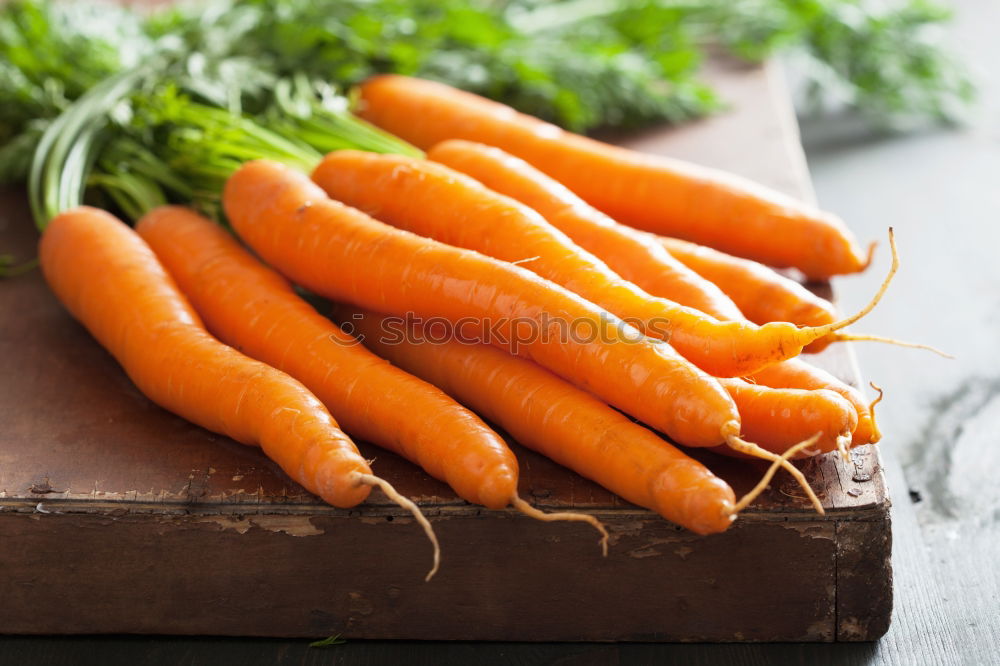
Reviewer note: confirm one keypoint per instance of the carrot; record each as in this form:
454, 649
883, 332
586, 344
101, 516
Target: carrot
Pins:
553, 417
109, 280
256, 310
635, 255
761, 294
765, 295
776, 418
798, 374
779, 417
343, 254
435, 201
658, 194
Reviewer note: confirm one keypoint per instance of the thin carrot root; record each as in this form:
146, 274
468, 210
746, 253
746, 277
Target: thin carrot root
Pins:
843, 446
731, 433
409, 505
747, 499
876, 433
845, 337
871, 255
531, 511
816, 332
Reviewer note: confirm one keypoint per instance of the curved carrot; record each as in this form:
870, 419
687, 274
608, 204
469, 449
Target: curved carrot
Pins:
765, 295
761, 294
435, 201
798, 374
108, 279
658, 194
780, 417
635, 255
553, 417
341, 253
256, 310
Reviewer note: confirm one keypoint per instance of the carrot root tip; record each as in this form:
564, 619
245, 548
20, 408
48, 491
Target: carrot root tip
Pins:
876, 433
572, 516
409, 505
814, 333
871, 254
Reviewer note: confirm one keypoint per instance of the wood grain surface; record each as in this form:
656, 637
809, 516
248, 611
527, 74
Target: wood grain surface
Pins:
86, 460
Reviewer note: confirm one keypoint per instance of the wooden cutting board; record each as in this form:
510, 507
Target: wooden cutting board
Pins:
116, 516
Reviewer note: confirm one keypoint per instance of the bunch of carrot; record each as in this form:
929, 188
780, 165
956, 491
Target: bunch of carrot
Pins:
583, 273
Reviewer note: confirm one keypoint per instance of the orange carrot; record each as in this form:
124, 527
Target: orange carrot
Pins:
658, 194
802, 375
767, 296
343, 254
109, 279
551, 416
256, 310
435, 201
779, 417
635, 255
761, 294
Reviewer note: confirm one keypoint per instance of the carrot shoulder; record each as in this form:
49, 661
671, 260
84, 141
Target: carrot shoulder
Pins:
553, 417
256, 310
108, 279
658, 194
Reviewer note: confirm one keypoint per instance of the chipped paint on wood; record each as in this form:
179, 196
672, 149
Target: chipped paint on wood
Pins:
296, 526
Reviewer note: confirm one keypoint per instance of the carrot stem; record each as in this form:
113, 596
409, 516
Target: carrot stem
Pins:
531, 511
409, 505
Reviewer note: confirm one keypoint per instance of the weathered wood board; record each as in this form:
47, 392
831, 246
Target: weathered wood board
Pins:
116, 516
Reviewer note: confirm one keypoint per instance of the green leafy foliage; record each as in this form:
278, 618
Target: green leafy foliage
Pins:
51, 53
581, 63
584, 64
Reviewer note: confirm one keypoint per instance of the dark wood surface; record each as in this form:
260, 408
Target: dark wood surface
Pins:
112, 472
